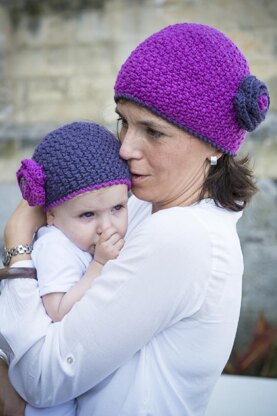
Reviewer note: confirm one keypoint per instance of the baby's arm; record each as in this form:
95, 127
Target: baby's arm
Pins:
58, 304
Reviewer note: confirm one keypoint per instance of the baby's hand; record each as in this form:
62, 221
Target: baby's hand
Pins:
108, 246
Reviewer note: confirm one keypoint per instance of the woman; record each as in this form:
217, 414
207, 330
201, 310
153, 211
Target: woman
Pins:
154, 334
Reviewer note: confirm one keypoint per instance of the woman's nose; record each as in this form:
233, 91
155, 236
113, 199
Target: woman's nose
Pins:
130, 148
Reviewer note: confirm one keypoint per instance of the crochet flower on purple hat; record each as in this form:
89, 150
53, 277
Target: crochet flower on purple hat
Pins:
251, 103
31, 181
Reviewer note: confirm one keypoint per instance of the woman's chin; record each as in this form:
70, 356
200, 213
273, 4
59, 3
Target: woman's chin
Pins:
143, 194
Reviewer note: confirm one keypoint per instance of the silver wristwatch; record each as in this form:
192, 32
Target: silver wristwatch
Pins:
8, 253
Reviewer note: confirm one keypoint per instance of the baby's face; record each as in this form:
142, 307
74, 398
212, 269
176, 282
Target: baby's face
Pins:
83, 218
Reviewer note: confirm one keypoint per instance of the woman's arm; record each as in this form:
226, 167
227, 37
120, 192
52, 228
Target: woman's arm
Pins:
11, 404
139, 294
24, 222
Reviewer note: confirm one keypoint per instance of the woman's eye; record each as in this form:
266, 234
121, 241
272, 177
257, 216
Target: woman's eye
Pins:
122, 126
153, 133
121, 122
88, 214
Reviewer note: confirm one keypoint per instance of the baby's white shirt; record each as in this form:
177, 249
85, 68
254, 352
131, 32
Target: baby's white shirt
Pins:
59, 262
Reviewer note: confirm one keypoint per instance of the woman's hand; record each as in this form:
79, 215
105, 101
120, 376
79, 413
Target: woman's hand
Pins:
11, 404
21, 227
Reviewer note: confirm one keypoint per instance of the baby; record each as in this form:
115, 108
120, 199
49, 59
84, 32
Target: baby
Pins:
78, 177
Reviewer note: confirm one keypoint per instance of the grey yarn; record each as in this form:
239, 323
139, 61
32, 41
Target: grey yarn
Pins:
251, 103
79, 156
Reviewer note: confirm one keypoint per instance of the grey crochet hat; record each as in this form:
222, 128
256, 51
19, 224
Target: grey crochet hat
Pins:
71, 160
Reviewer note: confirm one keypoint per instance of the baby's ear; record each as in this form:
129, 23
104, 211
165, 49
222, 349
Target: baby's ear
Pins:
50, 217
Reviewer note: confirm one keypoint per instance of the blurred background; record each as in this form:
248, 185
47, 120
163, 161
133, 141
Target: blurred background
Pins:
58, 63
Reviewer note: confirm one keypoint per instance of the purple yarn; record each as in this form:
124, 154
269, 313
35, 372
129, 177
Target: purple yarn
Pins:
71, 160
31, 181
188, 74
251, 103
263, 102
90, 188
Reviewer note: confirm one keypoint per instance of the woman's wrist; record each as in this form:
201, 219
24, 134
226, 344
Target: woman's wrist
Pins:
15, 235
19, 257
10, 255
23, 224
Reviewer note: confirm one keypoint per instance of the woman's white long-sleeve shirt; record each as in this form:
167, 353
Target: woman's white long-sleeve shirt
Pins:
153, 333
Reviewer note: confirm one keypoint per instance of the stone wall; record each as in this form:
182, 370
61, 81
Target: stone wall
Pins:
58, 62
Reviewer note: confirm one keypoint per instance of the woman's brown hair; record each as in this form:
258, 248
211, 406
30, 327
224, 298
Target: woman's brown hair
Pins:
230, 183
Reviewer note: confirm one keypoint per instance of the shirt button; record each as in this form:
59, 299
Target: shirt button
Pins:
69, 359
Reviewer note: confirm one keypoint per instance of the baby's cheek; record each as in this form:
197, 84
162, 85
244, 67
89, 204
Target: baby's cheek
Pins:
84, 238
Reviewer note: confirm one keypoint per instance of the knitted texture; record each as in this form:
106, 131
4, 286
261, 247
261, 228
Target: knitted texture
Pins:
251, 103
31, 179
71, 160
190, 74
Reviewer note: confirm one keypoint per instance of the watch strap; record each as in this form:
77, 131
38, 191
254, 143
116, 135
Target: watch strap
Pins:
18, 273
8, 253
20, 249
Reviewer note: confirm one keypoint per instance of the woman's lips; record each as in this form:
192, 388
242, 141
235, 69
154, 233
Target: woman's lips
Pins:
137, 178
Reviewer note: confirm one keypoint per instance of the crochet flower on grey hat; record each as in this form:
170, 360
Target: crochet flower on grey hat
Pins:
73, 159
196, 78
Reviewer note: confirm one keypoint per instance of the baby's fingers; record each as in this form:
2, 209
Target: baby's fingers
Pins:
114, 249
119, 244
113, 240
108, 233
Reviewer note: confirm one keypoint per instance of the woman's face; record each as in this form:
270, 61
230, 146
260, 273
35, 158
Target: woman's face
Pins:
167, 165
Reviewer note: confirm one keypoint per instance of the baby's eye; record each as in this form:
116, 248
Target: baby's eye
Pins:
117, 207
87, 214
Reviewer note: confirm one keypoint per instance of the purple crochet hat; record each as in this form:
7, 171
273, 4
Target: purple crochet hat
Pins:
71, 160
196, 78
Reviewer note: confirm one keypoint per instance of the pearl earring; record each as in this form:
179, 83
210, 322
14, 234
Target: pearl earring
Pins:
213, 160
